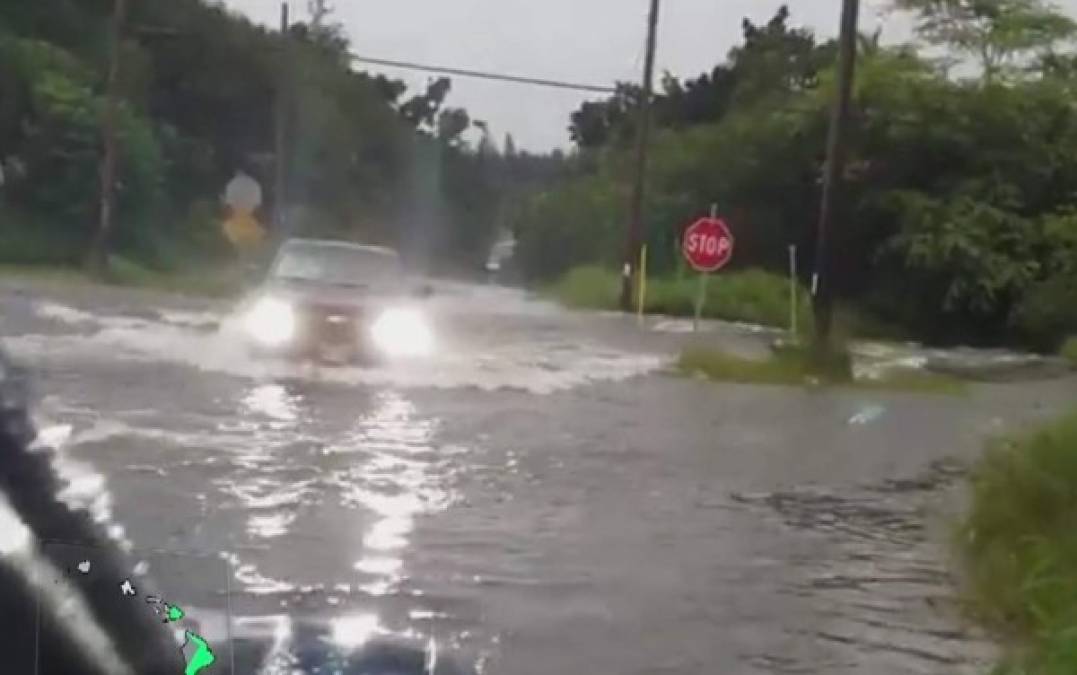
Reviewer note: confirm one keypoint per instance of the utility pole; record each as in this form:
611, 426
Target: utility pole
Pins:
97, 260
281, 132
635, 223
823, 303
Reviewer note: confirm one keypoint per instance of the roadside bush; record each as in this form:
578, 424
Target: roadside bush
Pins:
26, 242
1069, 350
1048, 313
588, 287
1020, 546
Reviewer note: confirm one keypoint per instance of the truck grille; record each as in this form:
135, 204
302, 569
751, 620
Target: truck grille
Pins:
332, 324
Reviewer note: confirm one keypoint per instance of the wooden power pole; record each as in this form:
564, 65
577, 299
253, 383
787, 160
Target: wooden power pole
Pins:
97, 260
822, 298
630, 273
280, 185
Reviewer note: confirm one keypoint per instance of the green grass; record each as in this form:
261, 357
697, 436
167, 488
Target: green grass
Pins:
917, 380
718, 365
800, 367
752, 296
52, 273
1019, 545
1069, 350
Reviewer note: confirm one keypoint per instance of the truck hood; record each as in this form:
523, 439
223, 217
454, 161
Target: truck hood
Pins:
350, 297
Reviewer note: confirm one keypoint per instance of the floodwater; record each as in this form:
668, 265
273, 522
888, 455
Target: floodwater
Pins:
538, 496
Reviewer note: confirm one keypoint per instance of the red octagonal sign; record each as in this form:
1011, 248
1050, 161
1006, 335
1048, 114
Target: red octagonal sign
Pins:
708, 244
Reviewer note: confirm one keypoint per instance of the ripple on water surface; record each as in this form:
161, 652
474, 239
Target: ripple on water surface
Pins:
472, 352
317, 514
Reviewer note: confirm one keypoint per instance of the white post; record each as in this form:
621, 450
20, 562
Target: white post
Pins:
701, 297
701, 289
793, 290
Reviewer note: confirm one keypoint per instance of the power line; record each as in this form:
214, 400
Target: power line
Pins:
557, 84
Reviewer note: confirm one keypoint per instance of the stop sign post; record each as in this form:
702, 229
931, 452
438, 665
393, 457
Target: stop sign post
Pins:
708, 247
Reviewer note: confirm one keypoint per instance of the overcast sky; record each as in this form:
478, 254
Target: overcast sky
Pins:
588, 41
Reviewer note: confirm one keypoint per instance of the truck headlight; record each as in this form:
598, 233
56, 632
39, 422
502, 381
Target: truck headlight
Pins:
402, 332
271, 321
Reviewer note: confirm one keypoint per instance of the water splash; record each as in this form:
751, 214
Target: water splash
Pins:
470, 358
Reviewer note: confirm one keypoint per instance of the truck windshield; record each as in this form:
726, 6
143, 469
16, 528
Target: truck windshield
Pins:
338, 265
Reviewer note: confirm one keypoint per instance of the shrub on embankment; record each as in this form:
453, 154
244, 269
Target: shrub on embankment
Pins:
1019, 543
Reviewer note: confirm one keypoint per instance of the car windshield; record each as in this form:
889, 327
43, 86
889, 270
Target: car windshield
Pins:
338, 264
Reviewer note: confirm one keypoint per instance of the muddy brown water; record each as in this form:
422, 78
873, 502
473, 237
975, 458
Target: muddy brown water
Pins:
540, 497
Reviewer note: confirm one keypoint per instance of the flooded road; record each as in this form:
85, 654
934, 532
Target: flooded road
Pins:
540, 496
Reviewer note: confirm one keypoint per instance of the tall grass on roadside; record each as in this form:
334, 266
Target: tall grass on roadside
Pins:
753, 296
1019, 543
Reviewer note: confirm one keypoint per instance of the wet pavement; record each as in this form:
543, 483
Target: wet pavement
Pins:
540, 496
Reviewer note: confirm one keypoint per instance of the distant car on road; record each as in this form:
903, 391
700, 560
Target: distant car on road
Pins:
499, 263
335, 301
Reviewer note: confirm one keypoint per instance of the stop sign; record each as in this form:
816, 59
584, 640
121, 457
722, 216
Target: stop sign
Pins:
708, 244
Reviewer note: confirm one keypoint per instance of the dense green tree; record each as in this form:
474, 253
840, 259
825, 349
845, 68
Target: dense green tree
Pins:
57, 147
958, 220
599, 123
200, 88
995, 33
452, 123
774, 62
421, 110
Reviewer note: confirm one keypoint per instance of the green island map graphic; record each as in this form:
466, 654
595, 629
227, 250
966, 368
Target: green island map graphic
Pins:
202, 657
195, 649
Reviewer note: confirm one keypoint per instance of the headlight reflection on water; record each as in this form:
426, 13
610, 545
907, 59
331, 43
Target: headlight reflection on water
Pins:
271, 322
402, 332
352, 632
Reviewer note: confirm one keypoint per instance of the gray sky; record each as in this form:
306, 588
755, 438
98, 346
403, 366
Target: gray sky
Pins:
590, 41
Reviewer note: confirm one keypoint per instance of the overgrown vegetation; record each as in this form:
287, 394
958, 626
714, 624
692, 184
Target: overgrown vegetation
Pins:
1020, 547
781, 368
752, 296
199, 86
960, 223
